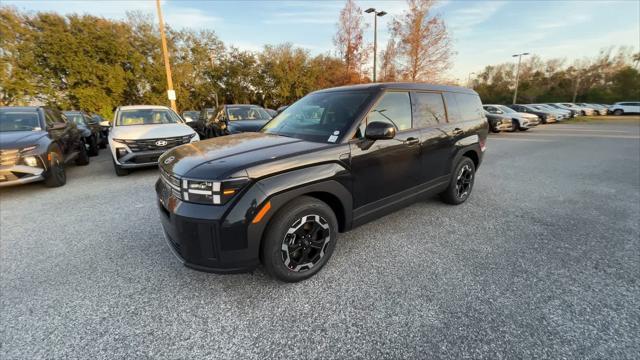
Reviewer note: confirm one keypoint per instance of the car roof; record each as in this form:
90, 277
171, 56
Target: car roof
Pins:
243, 105
141, 107
21, 108
400, 86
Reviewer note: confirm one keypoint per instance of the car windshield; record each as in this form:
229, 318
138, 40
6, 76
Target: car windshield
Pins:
246, 113
19, 120
320, 117
506, 109
76, 118
146, 117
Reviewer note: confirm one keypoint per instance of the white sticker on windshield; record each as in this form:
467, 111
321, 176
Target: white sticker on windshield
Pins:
333, 138
337, 132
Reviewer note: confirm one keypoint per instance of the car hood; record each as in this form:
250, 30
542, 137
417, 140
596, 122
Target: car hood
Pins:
19, 139
138, 132
231, 155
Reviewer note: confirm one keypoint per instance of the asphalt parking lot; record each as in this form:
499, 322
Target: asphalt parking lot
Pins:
543, 261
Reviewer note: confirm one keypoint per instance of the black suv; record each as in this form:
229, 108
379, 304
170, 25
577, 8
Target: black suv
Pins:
230, 119
90, 129
333, 160
36, 143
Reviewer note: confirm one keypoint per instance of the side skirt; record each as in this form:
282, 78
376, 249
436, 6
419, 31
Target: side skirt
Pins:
379, 208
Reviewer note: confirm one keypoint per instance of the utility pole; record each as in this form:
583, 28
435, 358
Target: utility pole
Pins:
375, 35
171, 94
469, 79
515, 93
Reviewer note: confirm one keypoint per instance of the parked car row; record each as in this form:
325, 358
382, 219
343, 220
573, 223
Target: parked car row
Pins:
523, 117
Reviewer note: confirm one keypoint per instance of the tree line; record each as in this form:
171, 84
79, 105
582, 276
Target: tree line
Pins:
96, 64
610, 76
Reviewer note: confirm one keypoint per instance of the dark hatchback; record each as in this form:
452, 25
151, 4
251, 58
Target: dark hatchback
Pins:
333, 160
35, 145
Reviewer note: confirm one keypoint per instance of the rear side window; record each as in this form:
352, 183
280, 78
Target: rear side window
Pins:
470, 107
428, 109
453, 112
394, 108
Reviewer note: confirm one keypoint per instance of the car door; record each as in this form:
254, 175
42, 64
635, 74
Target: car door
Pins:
430, 116
60, 136
386, 167
464, 113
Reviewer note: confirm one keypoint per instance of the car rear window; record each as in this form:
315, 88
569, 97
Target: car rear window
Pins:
470, 106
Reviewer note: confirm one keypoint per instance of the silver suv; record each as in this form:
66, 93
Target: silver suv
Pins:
141, 133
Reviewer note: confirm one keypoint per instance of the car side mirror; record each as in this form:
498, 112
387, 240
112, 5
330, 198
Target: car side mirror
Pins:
188, 119
380, 131
58, 126
105, 123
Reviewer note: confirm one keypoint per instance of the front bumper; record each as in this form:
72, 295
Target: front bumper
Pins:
139, 159
506, 126
20, 174
202, 238
529, 123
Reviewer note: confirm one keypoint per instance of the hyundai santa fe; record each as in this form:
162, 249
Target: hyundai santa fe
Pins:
331, 161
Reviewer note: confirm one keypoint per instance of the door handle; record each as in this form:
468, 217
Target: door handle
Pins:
457, 131
412, 141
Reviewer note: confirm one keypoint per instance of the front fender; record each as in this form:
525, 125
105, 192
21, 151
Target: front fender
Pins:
329, 179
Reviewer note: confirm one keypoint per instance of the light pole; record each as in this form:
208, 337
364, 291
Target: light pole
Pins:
469, 79
375, 35
515, 93
165, 52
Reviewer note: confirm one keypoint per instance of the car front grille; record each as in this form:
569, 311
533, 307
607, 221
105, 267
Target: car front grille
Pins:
172, 183
9, 157
156, 144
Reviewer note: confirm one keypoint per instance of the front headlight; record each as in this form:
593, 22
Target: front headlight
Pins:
30, 161
211, 192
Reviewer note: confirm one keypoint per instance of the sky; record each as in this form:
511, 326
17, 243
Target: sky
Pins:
483, 32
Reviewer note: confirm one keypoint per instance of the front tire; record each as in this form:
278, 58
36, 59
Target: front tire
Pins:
461, 182
299, 239
120, 171
56, 175
618, 112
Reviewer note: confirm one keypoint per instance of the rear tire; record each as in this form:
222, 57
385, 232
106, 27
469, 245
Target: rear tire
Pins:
299, 239
120, 171
461, 182
56, 175
83, 156
93, 146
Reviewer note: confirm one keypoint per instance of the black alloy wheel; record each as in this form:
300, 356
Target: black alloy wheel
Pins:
461, 183
464, 181
299, 239
305, 242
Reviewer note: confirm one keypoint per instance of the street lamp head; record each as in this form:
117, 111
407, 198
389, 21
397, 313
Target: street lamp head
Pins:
382, 13
370, 10
525, 53
516, 55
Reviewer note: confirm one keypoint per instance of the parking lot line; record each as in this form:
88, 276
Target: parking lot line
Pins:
578, 129
591, 135
518, 139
